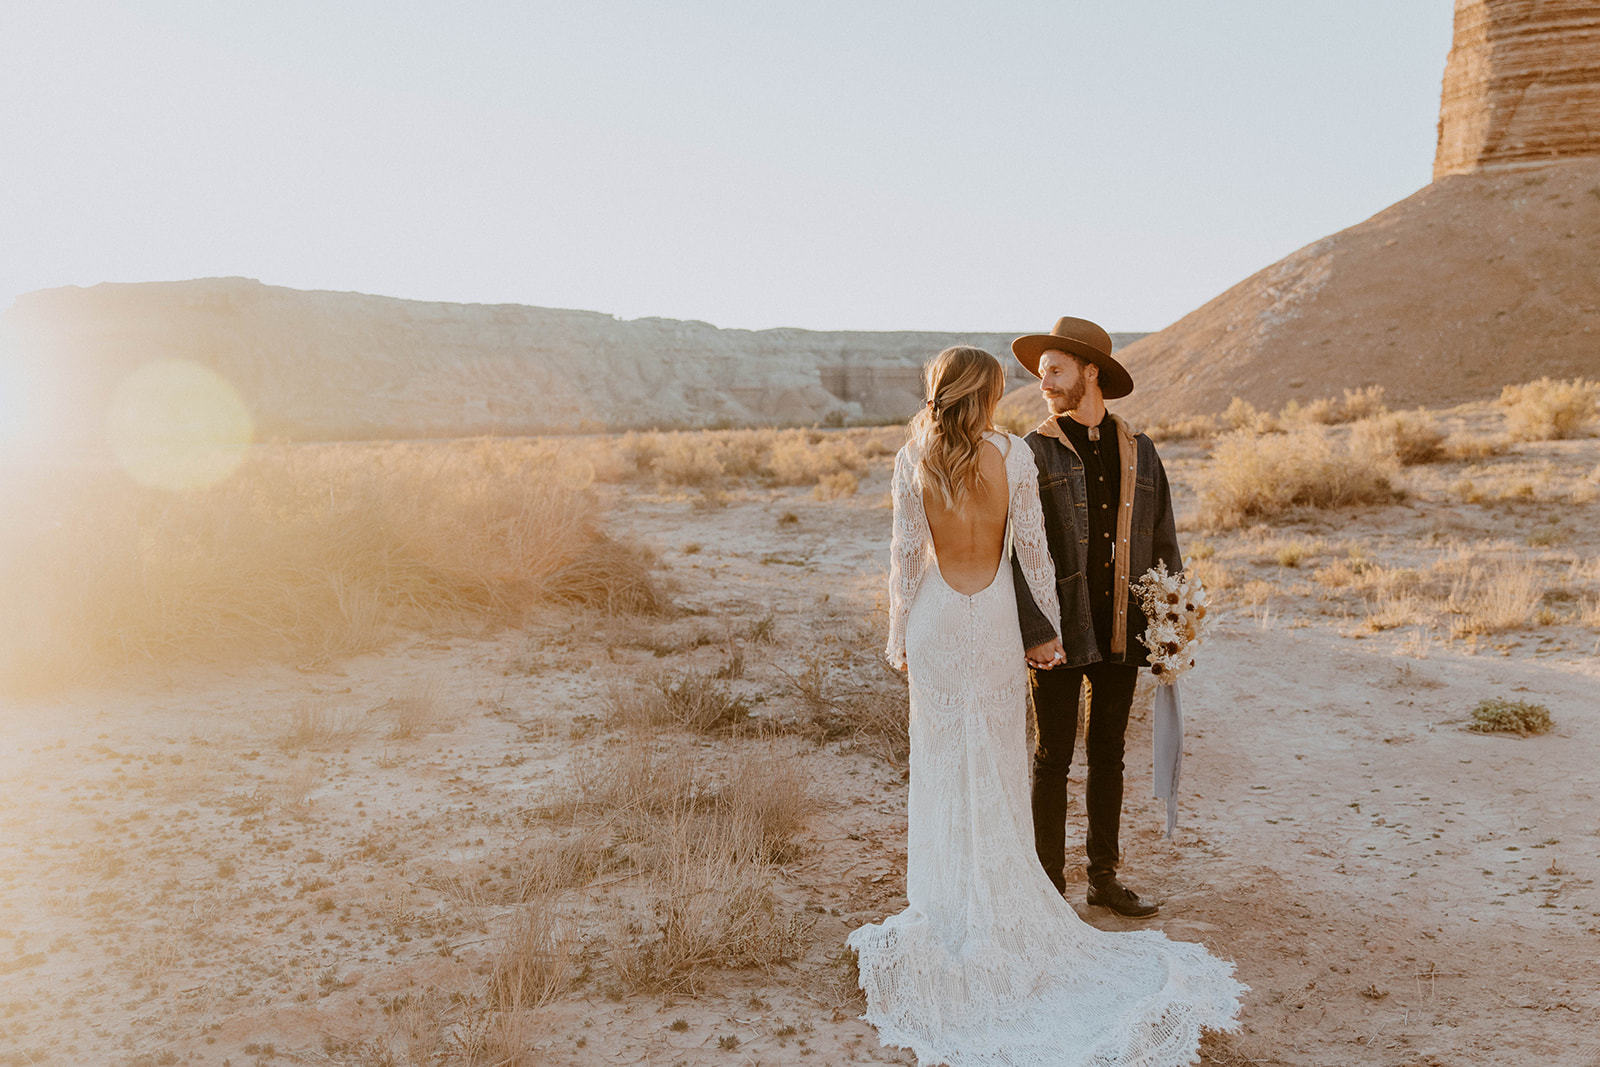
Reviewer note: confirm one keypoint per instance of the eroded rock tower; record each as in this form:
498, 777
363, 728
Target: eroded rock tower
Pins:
1521, 85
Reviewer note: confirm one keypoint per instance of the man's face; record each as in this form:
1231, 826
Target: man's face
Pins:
1062, 381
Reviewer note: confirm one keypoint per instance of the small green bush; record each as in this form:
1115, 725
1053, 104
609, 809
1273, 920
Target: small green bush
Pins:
1497, 716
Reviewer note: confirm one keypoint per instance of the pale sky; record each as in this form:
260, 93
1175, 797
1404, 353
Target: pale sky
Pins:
851, 165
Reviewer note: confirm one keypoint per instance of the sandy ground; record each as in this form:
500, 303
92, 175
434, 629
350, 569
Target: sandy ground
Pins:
184, 879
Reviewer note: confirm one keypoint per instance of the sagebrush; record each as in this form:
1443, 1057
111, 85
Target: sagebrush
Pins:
1549, 410
1262, 476
306, 552
1497, 715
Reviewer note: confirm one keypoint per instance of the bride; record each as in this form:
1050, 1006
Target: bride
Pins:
988, 965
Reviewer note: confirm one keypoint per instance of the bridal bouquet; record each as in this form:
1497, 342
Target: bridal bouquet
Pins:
1175, 607
1175, 612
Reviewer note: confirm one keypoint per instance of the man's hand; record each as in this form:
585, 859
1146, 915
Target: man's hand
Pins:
1046, 655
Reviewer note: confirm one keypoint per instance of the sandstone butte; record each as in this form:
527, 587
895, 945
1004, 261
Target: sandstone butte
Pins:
1521, 85
1488, 276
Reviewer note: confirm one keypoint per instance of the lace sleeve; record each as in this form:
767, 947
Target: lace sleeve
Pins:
908, 547
1027, 535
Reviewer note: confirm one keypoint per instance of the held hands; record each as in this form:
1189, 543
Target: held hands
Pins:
1047, 655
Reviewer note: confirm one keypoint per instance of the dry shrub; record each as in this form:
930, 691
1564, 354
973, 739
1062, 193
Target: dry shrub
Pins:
488, 1038
1548, 410
877, 722
1254, 476
1255, 592
1392, 611
536, 959
319, 726
833, 486
628, 784
1403, 437
696, 701
420, 1031
1360, 575
1323, 411
700, 703
1467, 491
1241, 415
610, 575
801, 458
1199, 427
688, 460
547, 868
306, 552
1326, 411
414, 713
703, 844
883, 723
764, 804
1510, 716
708, 459
1463, 448
1361, 403
634, 706
709, 907
1212, 574
1493, 596
154, 961
1294, 551
295, 788
762, 631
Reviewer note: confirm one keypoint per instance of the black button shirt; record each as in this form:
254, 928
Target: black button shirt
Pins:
1102, 476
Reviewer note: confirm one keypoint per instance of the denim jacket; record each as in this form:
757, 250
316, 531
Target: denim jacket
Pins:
1145, 534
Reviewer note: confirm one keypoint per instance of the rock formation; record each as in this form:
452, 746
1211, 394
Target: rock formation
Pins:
324, 365
1484, 278
1521, 85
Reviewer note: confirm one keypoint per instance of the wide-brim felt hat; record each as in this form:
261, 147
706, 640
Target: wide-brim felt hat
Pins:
1079, 337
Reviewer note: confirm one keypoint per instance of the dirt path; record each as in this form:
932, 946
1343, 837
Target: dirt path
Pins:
1394, 888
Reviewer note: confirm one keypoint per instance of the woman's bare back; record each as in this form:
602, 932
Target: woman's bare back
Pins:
969, 542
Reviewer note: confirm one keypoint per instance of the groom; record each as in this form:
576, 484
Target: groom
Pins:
1108, 520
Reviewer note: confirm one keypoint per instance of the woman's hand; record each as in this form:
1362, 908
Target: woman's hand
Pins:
1047, 655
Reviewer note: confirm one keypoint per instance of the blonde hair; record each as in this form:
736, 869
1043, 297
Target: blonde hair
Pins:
964, 385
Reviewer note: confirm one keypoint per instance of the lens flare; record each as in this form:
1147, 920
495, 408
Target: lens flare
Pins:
23, 402
177, 425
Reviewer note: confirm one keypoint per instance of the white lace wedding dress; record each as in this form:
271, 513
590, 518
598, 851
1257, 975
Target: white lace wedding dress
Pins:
988, 965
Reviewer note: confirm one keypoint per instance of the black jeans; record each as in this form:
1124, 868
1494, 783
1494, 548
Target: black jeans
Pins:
1056, 704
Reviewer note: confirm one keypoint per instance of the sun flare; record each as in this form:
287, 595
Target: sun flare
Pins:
177, 425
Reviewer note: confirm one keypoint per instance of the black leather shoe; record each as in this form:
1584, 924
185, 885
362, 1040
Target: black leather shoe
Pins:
1122, 900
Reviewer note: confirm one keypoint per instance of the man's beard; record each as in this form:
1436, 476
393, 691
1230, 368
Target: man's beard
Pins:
1069, 399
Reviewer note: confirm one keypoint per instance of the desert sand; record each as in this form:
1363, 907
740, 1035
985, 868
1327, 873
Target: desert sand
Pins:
266, 862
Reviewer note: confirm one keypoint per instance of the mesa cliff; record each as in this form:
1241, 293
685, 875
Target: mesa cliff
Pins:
1521, 85
334, 366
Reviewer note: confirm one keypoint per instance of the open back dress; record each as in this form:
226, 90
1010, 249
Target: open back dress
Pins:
989, 965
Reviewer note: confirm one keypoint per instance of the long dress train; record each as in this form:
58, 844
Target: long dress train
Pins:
988, 965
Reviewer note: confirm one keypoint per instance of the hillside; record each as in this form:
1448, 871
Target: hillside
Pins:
1474, 282
327, 365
